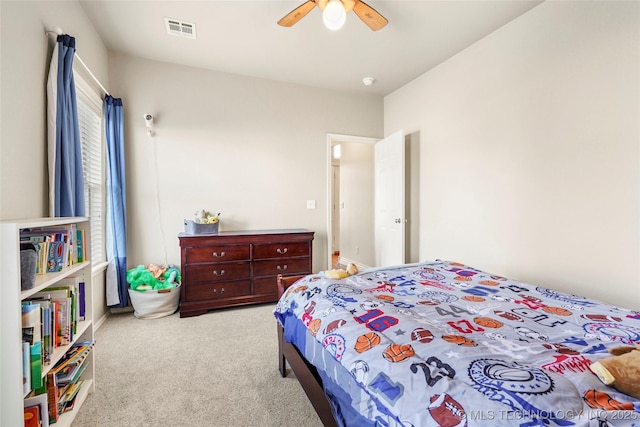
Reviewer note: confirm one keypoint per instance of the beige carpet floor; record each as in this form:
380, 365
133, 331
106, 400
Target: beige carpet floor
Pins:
218, 369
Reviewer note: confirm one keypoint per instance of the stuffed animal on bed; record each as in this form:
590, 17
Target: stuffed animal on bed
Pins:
621, 370
340, 273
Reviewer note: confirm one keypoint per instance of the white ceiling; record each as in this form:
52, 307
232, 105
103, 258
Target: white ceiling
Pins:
242, 37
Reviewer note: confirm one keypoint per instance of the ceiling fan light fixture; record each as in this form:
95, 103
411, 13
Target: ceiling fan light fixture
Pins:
334, 15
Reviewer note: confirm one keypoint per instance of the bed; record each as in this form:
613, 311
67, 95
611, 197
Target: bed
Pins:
444, 344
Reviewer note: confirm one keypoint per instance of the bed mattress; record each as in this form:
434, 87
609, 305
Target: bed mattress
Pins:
445, 344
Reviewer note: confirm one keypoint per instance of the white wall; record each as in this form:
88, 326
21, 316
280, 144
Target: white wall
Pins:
529, 150
24, 65
528, 144
26, 53
253, 149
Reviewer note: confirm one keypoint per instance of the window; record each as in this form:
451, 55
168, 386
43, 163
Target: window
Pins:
90, 123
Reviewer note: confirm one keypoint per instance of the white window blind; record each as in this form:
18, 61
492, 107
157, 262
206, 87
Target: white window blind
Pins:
90, 123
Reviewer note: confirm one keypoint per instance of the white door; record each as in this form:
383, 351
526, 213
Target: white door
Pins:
389, 200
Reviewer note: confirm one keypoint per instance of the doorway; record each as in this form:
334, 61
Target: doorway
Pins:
366, 199
350, 199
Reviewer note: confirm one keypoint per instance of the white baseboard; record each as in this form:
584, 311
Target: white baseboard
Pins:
100, 321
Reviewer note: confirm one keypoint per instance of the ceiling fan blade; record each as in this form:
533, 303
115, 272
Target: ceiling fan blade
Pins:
348, 5
297, 14
369, 16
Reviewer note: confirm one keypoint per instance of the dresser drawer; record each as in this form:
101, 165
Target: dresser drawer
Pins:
266, 286
286, 266
280, 250
219, 290
198, 273
222, 253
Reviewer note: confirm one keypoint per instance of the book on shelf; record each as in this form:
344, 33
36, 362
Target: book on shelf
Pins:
70, 367
75, 284
74, 287
39, 401
46, 319
41, 257
55, 256
32, 334
57, 247
61, 307
32, 416
82, 303
55, 324
52, 396
26, 368
63, 303
68, 398
64, 381
63, 331
80, 245
59, 319
42, 253
47, 329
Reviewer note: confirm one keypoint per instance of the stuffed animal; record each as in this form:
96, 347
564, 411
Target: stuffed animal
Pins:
340, 273
621, 370
153, 277
204, 217
352, 269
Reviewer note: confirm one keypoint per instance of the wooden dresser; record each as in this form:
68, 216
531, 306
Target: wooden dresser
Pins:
239, 267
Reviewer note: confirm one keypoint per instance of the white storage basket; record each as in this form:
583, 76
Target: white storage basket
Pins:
155, 304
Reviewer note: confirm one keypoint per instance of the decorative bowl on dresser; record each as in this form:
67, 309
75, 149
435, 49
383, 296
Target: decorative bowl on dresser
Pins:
234, 268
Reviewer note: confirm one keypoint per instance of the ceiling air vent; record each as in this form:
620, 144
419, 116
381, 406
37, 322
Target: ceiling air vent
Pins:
180, 28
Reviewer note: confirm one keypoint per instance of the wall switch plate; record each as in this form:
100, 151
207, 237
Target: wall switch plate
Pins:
311, 204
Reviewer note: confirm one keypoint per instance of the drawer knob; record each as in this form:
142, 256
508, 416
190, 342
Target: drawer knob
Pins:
281, 251
282, 268
216, 273
215, 291
218, 255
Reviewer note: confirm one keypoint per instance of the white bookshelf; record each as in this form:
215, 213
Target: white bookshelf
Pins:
11, 296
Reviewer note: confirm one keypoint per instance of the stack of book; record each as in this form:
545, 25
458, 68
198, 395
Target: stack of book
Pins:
56, 247
50, 320
31, 348
60, 308
63, 381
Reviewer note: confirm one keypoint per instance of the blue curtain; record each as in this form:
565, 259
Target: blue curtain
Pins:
116, 205
66, 185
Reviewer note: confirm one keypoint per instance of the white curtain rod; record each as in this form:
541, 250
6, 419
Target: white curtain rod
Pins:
58, 32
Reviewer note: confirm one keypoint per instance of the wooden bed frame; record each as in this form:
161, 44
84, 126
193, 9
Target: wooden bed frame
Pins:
305, 372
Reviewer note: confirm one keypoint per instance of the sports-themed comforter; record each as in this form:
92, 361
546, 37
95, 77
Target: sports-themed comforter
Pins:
445, 344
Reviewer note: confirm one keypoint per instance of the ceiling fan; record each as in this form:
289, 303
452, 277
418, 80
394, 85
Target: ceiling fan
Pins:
334, 12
